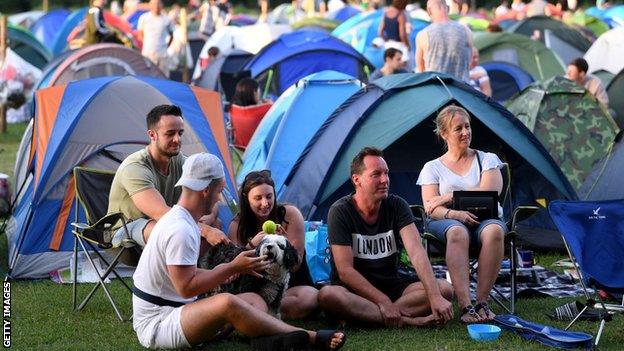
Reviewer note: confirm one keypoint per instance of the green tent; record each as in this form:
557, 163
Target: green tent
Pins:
318, 22
530, 55
475, 24
570, 123
605, 76
528, 26
28, 47
615, 90
590, 22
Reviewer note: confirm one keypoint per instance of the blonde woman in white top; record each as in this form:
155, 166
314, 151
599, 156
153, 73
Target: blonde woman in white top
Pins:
463, 168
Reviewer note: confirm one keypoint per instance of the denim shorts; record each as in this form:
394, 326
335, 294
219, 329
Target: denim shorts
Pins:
440, 227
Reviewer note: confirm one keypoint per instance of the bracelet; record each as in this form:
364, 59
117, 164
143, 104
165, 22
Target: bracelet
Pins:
447, 213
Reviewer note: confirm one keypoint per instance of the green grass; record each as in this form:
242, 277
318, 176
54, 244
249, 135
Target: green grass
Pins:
9, 142
42, 317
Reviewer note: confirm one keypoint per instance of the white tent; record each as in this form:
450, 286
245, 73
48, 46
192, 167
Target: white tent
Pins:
248, 38
607, 51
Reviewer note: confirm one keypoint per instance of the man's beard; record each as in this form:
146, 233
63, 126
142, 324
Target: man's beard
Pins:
169, 154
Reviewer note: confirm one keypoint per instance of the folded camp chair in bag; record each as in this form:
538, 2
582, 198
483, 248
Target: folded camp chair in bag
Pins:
593, 233
92, 189
519, 213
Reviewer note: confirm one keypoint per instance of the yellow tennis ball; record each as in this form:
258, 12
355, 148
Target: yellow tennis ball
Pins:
269, 227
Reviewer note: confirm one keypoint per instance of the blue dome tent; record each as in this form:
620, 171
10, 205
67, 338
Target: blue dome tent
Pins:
506, 79
45, 29
295, 117
295, 55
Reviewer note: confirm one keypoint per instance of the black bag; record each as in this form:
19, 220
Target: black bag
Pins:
483, 204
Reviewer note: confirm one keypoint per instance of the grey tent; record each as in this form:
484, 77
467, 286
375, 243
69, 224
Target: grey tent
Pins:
103, 60
615, 90
224, 72
605, 180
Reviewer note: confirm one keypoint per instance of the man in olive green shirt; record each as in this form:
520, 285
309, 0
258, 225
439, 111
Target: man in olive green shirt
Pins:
144, 185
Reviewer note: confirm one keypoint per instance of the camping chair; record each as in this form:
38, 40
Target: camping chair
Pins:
92, 189
245, 120
593, 234
520, 213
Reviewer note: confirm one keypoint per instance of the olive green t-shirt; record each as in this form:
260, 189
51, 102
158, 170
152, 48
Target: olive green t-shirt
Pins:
137, 173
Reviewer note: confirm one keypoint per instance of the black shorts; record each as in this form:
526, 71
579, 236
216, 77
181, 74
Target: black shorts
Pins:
394, 288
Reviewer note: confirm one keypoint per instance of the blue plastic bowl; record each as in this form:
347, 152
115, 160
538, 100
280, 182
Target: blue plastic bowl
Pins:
484, 332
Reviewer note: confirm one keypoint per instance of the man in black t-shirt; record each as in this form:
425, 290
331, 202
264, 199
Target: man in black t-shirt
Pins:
364, 230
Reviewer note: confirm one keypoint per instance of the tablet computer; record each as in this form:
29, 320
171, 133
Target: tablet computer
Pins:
483, 204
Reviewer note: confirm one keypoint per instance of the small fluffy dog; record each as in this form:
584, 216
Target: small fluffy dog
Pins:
278, 250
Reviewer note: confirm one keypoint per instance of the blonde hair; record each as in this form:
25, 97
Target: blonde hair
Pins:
444, 118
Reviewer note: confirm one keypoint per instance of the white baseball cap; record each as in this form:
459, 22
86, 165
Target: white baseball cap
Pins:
199, 170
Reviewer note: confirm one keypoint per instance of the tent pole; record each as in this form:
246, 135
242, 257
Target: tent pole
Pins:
3, 48
45, 6
184, 27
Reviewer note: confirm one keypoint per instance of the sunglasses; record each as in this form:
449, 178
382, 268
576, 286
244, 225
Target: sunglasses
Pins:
258, 175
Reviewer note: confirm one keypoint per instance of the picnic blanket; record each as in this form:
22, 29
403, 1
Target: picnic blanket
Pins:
538, 283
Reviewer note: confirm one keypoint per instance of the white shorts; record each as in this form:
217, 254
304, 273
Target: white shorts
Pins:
158, 327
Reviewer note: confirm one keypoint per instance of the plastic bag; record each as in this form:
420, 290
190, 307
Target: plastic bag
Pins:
318, 253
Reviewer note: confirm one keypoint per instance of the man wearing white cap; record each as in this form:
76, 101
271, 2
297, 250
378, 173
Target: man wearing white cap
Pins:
167, 280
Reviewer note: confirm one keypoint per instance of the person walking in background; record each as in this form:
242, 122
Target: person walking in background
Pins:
96, 30
225, 13
209, 17
444, 46
154, 29
393, 26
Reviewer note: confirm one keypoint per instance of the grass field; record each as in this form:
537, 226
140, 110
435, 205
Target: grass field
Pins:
42, 318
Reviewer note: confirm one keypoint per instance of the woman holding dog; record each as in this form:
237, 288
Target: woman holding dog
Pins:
464, 168
257, 205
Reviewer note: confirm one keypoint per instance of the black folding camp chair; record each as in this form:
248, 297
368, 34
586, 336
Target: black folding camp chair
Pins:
92, 190
519, 213
593, 233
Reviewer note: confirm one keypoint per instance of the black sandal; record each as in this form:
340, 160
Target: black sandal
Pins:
470, 310
296, 340
324, 337
483, 306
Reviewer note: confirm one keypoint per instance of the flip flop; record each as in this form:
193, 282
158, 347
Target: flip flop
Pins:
470, 310
296, 340
324, 337
483, 306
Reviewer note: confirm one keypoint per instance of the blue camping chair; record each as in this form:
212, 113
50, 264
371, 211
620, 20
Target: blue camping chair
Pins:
593, 233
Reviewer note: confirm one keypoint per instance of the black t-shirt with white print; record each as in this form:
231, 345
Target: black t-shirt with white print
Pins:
375, 247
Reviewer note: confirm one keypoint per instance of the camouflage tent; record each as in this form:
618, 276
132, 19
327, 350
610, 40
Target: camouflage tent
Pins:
530, 55
576, 130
